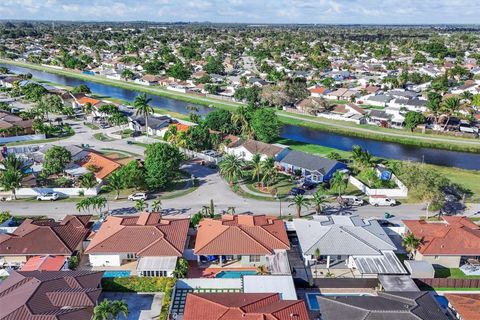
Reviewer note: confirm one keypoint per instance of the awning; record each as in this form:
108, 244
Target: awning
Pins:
387, 263
156, 263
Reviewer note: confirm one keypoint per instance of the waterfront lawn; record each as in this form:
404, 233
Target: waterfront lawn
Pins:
468, 179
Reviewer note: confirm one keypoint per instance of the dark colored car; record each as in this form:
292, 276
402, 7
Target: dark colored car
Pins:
309, 185
296, 191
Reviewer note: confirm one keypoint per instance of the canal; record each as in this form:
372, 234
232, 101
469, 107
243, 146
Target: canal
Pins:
463, 160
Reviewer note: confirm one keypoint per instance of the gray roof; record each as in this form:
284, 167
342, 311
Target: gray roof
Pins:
397, 283
308, 161
154, 122
379, 114
379, 98
386, 306
342, 235
405, 94
411, 102
387, 263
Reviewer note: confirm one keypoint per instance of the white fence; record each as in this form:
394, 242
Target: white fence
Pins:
27, 137
33, 192
209, 283
400, 192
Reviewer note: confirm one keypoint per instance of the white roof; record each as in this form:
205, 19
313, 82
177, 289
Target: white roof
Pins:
387, 263
282, 284
157, 263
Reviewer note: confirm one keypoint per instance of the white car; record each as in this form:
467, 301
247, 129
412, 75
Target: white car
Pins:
51, 196
137, 196
381, 201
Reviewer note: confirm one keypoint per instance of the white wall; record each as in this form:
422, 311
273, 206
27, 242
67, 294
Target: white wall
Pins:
105, 260
27, 137
33, 192
400, 192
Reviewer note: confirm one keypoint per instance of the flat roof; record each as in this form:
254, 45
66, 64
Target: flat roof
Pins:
281, 284
157, 263
387, 263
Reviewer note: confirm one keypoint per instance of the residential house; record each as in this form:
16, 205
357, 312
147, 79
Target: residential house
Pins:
240, 306
464, 306
44, 237
247, 148
346, 112
450, 243
50, 295
12, 125
157, 126
243, 241
341, 94
46, 263
318, 91
347, 242
148, 80
401, 305
380, 100
145, 244
82, 100
379, 117
415, 104
313, 168
100, 165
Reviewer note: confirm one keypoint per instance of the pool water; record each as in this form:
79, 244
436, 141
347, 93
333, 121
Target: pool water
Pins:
234, 274
442, 301
313, 302
116, 274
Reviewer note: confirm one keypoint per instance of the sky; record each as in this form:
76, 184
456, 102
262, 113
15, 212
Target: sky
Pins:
249, 11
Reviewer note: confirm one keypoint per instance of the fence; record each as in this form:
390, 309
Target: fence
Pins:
371, 283
448, 283
28, 137
32, 192
401, 191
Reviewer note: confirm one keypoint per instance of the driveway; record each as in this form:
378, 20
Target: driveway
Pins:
141, 306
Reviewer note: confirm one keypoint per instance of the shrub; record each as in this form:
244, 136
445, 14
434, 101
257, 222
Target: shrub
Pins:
138, 284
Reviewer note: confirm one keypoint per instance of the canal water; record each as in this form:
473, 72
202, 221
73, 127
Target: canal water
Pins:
301, 134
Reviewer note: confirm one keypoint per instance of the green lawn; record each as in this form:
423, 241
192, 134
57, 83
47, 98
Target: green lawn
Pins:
101, 137
283, 185
92, 126
453, 273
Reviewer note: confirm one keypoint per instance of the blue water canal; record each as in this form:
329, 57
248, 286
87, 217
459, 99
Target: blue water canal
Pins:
297, 133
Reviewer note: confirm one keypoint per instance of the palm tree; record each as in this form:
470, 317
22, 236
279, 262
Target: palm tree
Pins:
116, 183
299, 201
157, 205
12, 174
256, 164
357, 154
240, 119
118, 307
319, 200
141, 205
450, 107
269, 171
127, 74
102, 311
339, 182
411, 243
143, 109
466, 95
231, 167
88, 180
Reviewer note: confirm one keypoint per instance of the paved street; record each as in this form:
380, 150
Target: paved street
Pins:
212, 186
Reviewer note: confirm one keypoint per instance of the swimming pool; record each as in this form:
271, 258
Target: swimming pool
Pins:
235, 274
442, 301
313, 302
116, 274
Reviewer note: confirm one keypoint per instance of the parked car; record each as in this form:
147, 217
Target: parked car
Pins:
137, 196
296, 191
353, 200
381, 201
308, 185
50, 196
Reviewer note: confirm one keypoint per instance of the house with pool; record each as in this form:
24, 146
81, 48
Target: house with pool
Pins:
242, 242
347, 246
143, 245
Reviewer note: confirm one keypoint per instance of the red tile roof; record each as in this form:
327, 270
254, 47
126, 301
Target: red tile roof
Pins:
241, 234
44, 263
452, 236
104, 165
243, 306
84, 100
319, 90
46, 237
146, 234
466, 305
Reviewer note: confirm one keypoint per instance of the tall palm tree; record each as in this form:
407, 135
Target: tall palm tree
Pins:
411, 243
157, 205
102, 311
339, 182
269, 171
240, 119
116, 183
231, 167
256, 165
12, 174
141, 102
319, 201
299, 202
450, 107
118, 307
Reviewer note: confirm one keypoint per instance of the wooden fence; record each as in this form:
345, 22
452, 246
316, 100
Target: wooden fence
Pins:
448, 283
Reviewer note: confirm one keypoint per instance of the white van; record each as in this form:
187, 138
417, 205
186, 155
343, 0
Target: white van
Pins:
353, 200
381, 201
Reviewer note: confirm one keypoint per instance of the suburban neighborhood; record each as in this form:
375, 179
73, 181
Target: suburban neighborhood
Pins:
289, 169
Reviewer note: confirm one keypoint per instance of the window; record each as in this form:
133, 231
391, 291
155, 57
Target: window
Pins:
254, 258
130, 256
436, 257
